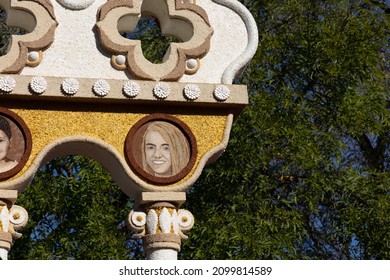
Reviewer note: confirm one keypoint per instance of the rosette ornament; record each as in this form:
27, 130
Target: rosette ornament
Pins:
184, 20
38, 19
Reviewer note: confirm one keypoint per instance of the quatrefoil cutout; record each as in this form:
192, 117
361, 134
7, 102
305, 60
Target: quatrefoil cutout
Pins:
35, 16
182, 19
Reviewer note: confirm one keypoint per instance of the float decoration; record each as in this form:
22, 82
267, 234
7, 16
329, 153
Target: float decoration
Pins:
74, 85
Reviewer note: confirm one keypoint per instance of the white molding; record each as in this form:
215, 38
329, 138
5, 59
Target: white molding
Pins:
3, 254
239, 64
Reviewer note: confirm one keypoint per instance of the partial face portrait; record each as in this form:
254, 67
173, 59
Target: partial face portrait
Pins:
13, 145
165, 150
6, 163
157, 153
160, 150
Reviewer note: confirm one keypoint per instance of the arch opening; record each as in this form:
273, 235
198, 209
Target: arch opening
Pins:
74, 207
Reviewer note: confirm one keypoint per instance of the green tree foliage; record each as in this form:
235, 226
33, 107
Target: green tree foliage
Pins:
75, 212
306, 172
6, 32
154, 44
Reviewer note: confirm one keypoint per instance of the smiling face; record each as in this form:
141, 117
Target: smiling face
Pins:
4, 145
157, 153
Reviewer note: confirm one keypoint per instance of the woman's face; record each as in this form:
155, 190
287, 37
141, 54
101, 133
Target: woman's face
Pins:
157, 152
4, 145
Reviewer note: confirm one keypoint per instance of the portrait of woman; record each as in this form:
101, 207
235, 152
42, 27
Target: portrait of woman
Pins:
5, 144
161, 149
165, 150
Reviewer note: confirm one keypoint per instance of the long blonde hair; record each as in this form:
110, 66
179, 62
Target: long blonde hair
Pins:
5, 127
178, 144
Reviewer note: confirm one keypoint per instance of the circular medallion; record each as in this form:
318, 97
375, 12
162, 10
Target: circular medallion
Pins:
15, 143
161, 149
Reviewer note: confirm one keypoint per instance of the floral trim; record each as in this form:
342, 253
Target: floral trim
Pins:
101, 87
221, 93
70, 86
161, 90
131, 89
7, 84
38, 85
191, 92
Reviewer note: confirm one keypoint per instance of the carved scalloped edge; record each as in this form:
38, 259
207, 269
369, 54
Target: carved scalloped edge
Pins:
112, 4
109, 157
48, 6
169, 72
23, 47
193, 7
237, 66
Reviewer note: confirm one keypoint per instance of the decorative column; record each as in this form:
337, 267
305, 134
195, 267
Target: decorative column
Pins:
161, 225
12, 218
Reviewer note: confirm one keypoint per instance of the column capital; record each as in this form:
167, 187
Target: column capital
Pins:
12, 218
162, 226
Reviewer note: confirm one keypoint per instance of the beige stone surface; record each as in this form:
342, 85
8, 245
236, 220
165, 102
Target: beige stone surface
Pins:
9, 196
151, 197
37, 18
75, 52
